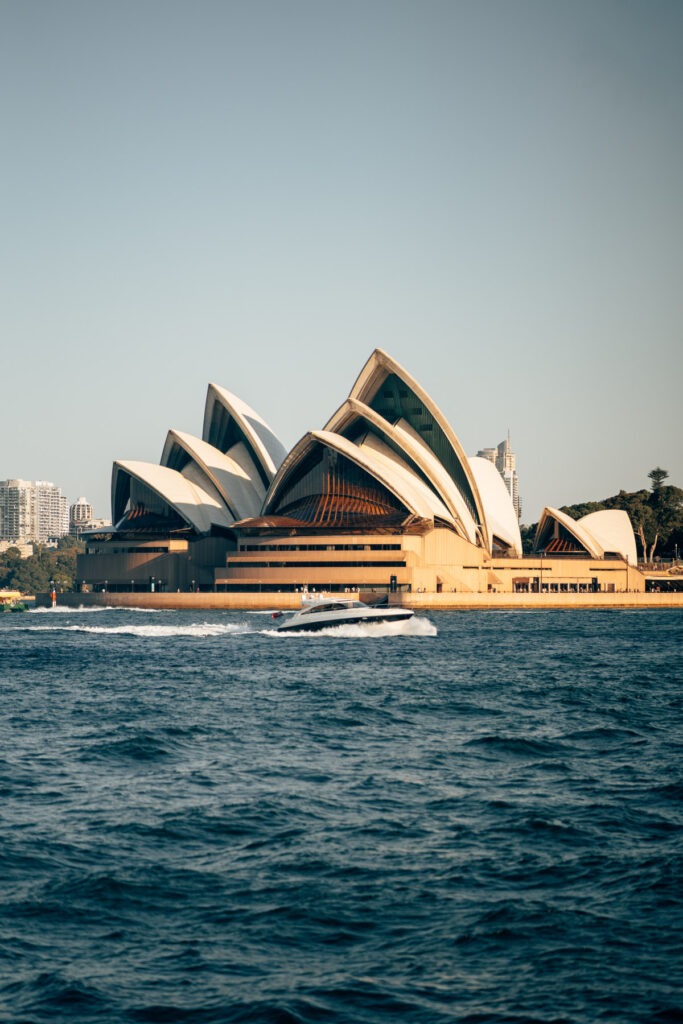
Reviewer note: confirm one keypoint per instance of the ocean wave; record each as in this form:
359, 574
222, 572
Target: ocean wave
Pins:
521, 746
226, 828
54, 994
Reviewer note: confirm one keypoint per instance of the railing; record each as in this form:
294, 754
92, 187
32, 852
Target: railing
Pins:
662, 565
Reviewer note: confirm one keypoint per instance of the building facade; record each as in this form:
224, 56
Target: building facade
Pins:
81, 515
382, 498
32, 510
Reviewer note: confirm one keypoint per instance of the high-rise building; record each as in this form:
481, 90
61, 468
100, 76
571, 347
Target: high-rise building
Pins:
505, 461
32, 510
80, 515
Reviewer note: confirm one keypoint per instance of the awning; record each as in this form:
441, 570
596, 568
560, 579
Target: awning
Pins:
493, 578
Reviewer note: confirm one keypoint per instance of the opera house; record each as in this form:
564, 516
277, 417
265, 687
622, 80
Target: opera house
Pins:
382, 499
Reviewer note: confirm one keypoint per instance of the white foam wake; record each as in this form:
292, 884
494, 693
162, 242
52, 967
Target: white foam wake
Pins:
62, 609
198, 629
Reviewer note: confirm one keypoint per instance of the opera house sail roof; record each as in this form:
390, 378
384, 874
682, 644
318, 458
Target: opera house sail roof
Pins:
228, 421
234, 474
149, 498
397, 397
501, 520
599, 534
202, 485
386, 467
328, 480
387, 460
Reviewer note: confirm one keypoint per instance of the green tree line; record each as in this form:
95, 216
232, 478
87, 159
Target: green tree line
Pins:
656, 516
32, 575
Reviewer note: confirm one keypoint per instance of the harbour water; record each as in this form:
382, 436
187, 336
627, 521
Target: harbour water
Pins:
477, 818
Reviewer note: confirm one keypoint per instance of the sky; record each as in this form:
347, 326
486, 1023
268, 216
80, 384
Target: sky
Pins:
260, 193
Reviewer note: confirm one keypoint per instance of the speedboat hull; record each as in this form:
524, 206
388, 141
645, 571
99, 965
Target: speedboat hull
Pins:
310, 621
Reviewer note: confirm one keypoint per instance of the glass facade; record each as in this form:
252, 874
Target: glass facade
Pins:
234, 563
178, 458
328, 490
394, 400
141, 509
556, 539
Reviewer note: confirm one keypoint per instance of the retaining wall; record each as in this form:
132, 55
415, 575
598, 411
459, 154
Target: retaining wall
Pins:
435, 602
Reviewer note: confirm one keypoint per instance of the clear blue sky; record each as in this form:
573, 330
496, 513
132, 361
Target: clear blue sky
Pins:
260, 193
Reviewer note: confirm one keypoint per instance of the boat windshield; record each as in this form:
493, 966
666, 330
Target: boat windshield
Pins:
332, 606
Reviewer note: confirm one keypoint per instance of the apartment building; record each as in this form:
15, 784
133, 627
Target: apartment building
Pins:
32, 510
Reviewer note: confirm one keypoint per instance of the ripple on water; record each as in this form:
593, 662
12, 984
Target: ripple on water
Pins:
203, 821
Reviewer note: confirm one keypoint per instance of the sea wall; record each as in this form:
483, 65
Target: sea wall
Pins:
510, 602
206, 600
426, 602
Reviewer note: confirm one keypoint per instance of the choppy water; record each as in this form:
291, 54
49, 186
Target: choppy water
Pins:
201, 821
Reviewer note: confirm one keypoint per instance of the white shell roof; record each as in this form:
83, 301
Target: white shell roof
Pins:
378, 366
437, 472
613, 531
501, 518
417, 450
378, 450
200, 506
573, 526
267, 447
608, 530
390, 472
234, 475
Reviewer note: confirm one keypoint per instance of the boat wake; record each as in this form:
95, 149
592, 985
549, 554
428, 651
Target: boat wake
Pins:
196, 629
80, 621
62, 609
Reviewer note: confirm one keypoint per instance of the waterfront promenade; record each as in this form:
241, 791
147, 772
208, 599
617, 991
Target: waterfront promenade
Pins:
423, 602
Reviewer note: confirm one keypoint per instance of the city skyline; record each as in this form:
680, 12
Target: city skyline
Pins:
36, 511
259, 195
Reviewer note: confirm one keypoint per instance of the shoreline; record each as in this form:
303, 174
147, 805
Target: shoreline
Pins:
419, 602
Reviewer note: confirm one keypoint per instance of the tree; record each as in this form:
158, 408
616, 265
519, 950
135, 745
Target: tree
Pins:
656, 515
528, 533
657, 476
584, 508
10, 561
660, 515
32, 575
667, 504
645, 526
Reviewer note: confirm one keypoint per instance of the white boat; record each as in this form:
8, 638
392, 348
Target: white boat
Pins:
325, 610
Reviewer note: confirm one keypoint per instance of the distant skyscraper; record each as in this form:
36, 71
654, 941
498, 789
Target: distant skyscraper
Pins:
505, 461
488, 453
80, 515
32, 510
